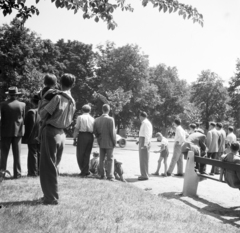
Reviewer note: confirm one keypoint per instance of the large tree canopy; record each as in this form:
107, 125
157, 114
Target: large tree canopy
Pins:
101, 9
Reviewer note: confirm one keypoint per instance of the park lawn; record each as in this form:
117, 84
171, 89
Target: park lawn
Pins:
91, 205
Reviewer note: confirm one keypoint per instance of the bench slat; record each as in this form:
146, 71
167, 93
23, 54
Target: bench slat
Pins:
217, 163
209, 177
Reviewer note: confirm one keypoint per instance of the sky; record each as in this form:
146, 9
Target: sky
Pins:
165, 38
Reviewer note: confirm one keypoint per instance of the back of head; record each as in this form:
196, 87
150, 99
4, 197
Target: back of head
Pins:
35, 99
86, 108
158, 134
106, 108
219, 125
143, 114
177, 121
230, 128
192, 126
50, 80
212, 124
67, 80
234, 146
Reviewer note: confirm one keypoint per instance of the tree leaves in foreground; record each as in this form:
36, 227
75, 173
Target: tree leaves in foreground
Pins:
102, 9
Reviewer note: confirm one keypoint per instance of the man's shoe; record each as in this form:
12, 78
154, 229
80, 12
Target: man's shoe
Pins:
155, 174
169, 174
142, 178
53, 202
111, 179
211, 174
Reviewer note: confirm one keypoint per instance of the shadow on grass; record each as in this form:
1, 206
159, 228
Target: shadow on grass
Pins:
132, 180
70, 175
18, 203
229, 215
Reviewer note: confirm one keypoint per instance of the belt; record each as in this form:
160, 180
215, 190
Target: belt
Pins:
85, 132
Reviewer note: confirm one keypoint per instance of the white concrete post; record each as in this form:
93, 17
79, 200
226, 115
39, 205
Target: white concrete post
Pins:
191, 179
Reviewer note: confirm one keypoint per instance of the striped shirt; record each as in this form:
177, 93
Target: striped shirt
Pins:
84, 123
61, 110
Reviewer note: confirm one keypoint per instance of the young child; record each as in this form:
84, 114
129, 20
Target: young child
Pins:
164, 152
94, 163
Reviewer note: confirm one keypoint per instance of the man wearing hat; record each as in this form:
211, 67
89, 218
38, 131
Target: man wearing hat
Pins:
213, 143
12, 130
83, 133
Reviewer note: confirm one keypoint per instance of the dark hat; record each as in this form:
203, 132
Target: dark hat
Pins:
12, 91
234, 146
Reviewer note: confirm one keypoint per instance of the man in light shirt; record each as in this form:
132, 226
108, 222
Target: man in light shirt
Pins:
84, 134
231, 137
145, 135
177, 158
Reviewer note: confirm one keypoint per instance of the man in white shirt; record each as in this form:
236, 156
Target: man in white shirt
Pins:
145, 135
231, 137
177, 158
84, 134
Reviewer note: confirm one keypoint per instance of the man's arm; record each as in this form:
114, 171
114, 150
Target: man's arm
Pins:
113, 132
209, 139
49, 108
76, 129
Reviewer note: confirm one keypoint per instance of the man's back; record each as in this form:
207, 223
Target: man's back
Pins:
104, 129
213, 138
12, 118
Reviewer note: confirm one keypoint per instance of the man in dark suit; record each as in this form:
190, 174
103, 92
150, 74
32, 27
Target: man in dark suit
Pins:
12, 130
104, 129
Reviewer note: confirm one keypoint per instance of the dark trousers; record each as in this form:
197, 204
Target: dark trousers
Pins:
212, 155
84, 149
106, 152
33, 159
6, 142
52, 145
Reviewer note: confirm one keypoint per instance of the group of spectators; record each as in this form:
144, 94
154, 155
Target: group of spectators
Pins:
42, 129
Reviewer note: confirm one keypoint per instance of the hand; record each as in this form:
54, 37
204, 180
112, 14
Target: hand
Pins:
137, 142
74, 142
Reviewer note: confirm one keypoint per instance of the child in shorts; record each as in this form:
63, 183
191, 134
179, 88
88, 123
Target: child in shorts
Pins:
164, 152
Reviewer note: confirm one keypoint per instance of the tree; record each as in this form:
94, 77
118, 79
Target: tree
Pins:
210, 96
173, 94
126, 68
234, 93
102, 9
19, 56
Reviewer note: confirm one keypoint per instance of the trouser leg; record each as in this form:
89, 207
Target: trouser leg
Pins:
85, 147
33, 159
16, 149
101, 162
176, 155
5, 146
51, 152
110, 163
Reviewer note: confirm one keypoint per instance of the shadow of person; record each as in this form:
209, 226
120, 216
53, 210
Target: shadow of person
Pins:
18, 203
229, 215
131, 180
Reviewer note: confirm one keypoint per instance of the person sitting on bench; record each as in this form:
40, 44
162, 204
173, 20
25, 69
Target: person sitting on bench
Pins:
232, 178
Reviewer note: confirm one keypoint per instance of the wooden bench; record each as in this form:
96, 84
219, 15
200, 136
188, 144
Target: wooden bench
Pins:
192, 177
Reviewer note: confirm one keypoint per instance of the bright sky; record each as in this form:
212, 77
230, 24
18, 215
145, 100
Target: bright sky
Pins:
166, 38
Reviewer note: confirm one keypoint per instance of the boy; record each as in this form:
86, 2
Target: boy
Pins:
94, 163
164, 152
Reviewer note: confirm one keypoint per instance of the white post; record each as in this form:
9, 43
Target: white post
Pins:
191, 179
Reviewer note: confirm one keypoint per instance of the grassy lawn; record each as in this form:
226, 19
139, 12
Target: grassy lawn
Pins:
90, 205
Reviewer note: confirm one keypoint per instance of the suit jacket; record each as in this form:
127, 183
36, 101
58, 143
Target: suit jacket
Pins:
213, 140
32, 126
222, 140
198, 139
12, 118
104, 130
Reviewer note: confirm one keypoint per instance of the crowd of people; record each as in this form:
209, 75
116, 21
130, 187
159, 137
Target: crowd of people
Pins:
42, 129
